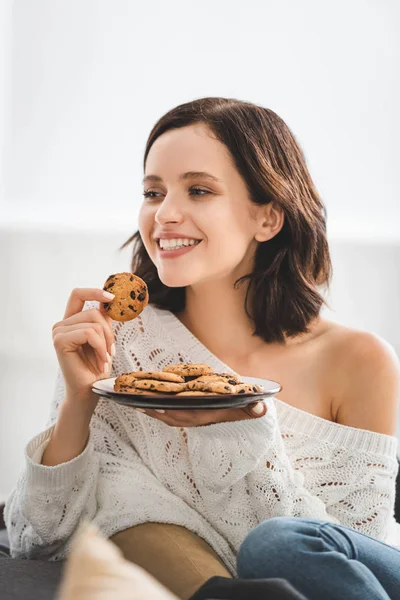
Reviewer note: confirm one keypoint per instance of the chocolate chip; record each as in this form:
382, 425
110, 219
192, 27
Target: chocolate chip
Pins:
141, 297
110, 277
226, 387
133, 295
122, 313
242, 392
132, 308
232, 381
106, 305
131, 278
109, 285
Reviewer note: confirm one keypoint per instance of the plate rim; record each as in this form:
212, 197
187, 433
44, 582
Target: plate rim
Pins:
113, 393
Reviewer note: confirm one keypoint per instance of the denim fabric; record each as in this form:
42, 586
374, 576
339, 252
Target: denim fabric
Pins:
321, 560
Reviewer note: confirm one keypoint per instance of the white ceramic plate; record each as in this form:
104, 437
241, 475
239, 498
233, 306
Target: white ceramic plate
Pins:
105, 388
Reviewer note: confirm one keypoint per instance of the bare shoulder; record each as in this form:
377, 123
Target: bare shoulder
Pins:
364, 378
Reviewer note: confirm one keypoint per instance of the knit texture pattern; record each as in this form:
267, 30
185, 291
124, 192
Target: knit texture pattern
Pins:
219, 480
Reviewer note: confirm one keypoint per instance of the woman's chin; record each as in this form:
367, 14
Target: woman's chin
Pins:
175, 280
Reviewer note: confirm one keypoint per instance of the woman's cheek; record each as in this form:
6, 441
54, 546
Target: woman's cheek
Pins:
145, 222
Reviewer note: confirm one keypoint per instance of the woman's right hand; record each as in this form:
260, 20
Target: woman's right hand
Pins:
84, 342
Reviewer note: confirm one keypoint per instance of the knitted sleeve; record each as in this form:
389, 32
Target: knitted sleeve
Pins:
244, 467
352, 471
48, 503
107, 483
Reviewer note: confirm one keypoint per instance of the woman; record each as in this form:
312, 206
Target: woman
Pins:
233, 246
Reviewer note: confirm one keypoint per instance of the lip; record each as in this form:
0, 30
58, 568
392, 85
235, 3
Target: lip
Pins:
170, 235
175, 253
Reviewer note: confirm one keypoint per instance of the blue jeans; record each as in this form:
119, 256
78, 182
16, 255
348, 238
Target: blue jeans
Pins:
321, 560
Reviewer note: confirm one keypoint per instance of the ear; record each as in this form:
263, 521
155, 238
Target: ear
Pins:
269, 222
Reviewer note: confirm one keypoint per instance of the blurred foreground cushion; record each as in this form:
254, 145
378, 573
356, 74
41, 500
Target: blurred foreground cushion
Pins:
96, 570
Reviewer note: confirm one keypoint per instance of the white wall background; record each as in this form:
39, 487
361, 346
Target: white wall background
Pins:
81, 84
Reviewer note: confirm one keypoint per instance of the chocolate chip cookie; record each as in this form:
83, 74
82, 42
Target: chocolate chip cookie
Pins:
138, 392
194, 393
131, 296
123, 381
248, 388
159, 386
216, 387
158, 375
189, 370
225, 378
231, 376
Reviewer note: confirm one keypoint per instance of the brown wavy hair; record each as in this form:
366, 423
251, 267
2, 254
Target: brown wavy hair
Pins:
282, 295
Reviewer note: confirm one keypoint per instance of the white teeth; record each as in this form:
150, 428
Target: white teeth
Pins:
177, 243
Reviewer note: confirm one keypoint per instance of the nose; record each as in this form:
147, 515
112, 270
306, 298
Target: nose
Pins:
169, 211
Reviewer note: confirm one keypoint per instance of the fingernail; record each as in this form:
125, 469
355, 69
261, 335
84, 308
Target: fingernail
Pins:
160, 410
258, 409
112, 349
106, 367
140, 410
108, 295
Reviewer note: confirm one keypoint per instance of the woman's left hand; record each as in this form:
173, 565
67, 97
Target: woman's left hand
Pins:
195, 418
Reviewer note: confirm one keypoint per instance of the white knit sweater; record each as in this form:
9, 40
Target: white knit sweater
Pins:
218, 481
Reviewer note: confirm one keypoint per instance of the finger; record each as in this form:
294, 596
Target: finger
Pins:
93, 316
252, 411
72, 340
89, 355
79, 296
105, 314
256, 410
168, 417
155, 414
110, 323
181, 415
192, 418
68, 328
106, 317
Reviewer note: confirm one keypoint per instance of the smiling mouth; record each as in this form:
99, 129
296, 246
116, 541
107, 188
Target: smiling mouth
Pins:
176, 244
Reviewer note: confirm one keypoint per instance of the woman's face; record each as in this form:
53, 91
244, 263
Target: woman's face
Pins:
197, 221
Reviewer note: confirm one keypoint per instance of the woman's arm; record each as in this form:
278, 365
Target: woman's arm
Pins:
48, 502
366, 380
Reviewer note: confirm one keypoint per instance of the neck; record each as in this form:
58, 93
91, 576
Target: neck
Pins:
215, 314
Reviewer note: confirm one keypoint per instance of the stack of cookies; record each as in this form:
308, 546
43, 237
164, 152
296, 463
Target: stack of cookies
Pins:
183, 380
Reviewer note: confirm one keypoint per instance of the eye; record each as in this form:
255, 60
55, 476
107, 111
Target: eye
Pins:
193, 191
151, 195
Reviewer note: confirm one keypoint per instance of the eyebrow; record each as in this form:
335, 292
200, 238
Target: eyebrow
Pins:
184, 176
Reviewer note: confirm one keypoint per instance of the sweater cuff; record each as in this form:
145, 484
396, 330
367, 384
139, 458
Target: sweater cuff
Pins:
62, 475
